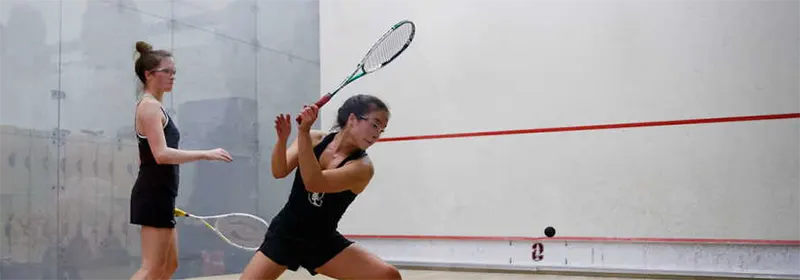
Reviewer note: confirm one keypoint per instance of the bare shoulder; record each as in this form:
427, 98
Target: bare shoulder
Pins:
148, 106
146, 102
362, 172
316, 136
365, 160
363, 165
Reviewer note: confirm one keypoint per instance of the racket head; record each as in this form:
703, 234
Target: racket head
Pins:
245, 230
385, 50
240, 230
388, 47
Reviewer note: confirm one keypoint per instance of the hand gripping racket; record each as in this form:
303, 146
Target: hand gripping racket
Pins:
382, 52
240, 230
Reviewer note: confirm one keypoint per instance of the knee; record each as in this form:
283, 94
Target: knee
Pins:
150, 273
391, 272
170, 266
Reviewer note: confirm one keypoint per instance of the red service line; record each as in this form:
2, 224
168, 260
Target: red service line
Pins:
596, 127
582, 239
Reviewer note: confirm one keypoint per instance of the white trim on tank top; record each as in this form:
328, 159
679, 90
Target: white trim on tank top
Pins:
134, 118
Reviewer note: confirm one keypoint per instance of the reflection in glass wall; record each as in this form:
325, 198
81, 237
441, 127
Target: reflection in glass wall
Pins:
68, 157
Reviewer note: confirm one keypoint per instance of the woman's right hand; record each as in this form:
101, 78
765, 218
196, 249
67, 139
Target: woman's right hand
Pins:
218, 154
307, 117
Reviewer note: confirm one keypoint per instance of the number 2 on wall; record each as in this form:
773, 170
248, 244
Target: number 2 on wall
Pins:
537, 252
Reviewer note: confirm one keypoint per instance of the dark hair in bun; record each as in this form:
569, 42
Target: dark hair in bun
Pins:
143, 47
148, 59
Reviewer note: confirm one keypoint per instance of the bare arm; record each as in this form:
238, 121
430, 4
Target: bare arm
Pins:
149, 120
280, 168
284, 160
353, 176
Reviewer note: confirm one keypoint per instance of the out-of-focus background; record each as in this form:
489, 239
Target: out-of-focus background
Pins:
715, 194
69, 155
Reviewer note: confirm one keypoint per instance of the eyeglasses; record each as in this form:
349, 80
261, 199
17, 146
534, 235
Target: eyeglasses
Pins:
374, 124
168, 71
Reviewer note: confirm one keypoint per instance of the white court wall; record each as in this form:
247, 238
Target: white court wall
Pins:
498, 65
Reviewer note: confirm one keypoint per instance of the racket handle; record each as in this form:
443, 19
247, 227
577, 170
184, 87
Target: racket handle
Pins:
179, 213
321, 102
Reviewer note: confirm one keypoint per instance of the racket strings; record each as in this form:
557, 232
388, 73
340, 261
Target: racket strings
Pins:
391, 45
242, 230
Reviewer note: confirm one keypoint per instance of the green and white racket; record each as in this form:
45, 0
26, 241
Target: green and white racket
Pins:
385, 50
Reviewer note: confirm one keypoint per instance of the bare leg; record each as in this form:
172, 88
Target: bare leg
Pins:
155, 245
356, 263
171, 259
262, 267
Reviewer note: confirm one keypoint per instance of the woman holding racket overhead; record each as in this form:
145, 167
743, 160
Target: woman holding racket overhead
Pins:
153, 195
332, 169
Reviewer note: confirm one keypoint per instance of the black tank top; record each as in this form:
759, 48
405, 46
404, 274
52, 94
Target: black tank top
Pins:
157, 178
308, 214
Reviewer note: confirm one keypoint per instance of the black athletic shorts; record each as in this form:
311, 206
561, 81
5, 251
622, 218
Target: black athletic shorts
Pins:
152, 209
294, 252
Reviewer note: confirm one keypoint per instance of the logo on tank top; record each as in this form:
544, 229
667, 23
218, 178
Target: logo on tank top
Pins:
315, 198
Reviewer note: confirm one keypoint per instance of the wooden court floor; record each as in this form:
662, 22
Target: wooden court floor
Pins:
456, 275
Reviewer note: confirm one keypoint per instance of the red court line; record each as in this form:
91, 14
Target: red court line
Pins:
596, 127
581, 239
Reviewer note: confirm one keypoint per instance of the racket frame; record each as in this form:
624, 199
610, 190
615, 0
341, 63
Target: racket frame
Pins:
360, 71
181, 213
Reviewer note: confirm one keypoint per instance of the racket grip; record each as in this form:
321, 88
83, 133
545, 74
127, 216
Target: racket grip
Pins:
179, 213
321, 102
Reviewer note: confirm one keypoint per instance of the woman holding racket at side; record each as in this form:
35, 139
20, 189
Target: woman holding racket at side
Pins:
335, 168
153, 195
